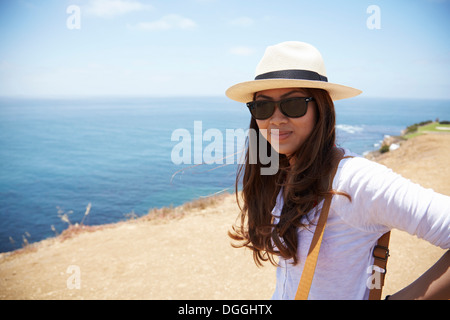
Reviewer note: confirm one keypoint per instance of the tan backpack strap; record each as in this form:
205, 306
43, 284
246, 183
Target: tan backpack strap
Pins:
313, 253
381, 255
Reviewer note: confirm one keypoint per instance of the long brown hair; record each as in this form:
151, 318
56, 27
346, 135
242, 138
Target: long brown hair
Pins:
304, 184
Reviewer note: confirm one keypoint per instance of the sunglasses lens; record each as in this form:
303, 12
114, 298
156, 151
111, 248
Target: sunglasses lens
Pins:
262, 110
294, 108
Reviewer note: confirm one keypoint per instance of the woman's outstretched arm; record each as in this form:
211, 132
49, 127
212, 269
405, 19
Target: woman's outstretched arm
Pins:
434, 284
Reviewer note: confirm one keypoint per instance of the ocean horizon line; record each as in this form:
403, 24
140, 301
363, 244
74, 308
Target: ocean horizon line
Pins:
190, 96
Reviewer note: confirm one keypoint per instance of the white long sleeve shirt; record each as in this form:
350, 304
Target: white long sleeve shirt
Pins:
381, 200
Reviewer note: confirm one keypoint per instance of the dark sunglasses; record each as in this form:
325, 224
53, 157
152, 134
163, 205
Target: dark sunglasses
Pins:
292, 107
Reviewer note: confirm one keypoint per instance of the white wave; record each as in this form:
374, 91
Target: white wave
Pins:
349, 128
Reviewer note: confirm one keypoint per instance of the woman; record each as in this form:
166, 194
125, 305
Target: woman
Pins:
291, 103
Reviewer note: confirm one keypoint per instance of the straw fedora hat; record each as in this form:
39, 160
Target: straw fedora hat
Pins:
290, 64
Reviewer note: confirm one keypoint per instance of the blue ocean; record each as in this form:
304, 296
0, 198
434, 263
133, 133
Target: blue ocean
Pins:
58, 156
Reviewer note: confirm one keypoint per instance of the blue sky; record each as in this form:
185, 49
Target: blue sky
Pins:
201, 47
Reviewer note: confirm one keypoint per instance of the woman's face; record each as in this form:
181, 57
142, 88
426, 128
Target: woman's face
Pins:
293, 132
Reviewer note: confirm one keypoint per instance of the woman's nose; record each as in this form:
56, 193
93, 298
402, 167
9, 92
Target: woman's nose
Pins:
278, 117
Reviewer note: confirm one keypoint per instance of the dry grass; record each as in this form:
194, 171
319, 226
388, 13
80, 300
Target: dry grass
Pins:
76, 229
155, 216
169, 213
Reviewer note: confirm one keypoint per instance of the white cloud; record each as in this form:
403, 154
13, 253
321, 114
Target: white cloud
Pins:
242, 51
242, 22
112, 8
171, 21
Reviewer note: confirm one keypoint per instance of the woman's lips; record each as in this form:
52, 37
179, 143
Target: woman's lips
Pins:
280, 135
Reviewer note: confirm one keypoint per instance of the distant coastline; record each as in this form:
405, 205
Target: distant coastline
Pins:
391, 143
